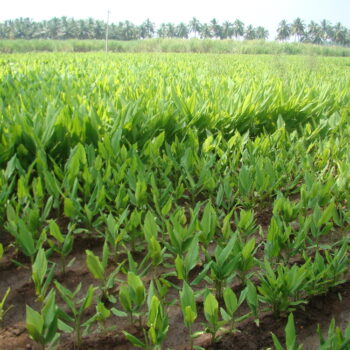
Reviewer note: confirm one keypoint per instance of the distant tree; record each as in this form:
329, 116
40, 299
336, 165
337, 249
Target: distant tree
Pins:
314, 33
100, 30
327, 31
250, 33
227, 30
181, 31
147, 29
53, 25
69, 28
171, 30
167, 30
261, 33
205, 32
238, 29
340, 34
215, 29
298, 28
162, 31
283, 31
195, 26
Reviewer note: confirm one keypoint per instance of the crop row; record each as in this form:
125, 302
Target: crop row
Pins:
222, 179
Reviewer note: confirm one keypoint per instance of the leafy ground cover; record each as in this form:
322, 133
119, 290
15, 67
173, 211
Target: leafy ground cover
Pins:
174, 201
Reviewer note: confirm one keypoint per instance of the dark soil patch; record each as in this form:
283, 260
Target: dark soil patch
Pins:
320, 310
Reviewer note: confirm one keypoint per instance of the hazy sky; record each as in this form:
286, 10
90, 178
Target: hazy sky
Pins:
267, 13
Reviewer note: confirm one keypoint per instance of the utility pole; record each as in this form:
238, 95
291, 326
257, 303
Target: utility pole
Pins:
107, 24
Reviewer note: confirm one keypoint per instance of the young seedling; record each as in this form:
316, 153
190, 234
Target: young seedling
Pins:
43, 327
72, 322
63, 244
246, 225
231, 306
282, 241
155, 251
114, 234
132, 297
222, 267
280, 287
208, 225
189, 309
42, 275
244, 253
211, 313
98, 268
3, 310
158, 325
291, 339
328, 271
250, 294
101, 316
336, 340
26, 240
181, 236
185, 265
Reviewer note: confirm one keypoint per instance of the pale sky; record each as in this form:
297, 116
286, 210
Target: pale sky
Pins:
267, 13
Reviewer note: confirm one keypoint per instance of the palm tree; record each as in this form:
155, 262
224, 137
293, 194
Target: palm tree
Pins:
283, 31
205, 32
215, 28
181, 31
339, 34
162, 30
250, 33
195, 26
100, 30
147, 29
298, 28
326, 28
238, 28
171, 30
227, 30
53, 27
315, 33
261, 33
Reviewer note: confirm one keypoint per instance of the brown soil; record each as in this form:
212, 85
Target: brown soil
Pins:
320, 310
13, 335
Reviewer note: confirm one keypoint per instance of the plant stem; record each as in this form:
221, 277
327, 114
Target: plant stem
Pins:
191, 339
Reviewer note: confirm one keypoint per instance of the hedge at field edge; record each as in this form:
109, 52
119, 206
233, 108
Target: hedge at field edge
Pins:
173, 45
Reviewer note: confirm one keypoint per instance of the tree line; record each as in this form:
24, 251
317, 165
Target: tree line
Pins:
70, 28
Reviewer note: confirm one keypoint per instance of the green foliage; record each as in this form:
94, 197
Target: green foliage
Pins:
72, 322
98, 268
62, 244
158, 325
42, 275
3, 309
132, 296
189, 309
43, 326
199, 174
101, 316
222, 267
27, 240
184, 265
281, 288
291, 340
336, 339
211, 313
231, 306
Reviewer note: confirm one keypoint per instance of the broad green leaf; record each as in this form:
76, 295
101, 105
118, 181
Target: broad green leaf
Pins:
94, 265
